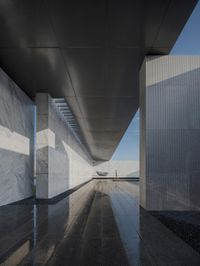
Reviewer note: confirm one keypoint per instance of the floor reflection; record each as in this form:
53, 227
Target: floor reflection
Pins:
99, 224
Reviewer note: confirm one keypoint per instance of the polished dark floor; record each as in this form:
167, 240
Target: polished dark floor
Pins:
185, 224
99, 224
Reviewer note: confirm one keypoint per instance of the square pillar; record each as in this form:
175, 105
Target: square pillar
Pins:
52, 159
170, 133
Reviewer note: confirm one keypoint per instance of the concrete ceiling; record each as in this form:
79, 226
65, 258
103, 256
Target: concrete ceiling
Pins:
89, 52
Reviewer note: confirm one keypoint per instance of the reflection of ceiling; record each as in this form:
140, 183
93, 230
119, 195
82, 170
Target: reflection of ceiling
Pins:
90, 53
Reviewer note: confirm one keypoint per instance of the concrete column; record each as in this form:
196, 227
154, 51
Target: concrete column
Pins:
170, 133
42, 145
61, 162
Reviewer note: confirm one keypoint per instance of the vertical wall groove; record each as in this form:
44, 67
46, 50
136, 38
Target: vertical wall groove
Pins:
172, 132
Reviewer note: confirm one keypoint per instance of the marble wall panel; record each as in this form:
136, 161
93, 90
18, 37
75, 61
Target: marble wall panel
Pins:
16, 142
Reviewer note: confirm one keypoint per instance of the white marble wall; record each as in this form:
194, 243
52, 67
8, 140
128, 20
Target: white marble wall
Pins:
61, 162
16, 142
124, 168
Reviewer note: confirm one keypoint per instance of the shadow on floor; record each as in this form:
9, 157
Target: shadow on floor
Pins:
185, 224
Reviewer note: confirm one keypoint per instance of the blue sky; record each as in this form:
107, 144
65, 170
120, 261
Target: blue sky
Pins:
128, 149
188, 43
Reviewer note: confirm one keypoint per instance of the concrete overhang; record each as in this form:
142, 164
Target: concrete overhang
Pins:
88, 52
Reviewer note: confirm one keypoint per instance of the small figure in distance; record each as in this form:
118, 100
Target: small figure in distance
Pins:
116, 176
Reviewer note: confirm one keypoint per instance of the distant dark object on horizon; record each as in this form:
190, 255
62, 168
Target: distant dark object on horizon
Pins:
100, 173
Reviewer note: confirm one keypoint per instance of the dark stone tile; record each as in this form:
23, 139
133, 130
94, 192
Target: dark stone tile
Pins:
114, 253
68, 252
91, 252
140, 257
15, 248
93, 228
42, 252
184, 224
101, 224
109, 228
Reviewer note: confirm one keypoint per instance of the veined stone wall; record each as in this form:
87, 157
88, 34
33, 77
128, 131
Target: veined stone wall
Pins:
126, 168
62, 163
16, 142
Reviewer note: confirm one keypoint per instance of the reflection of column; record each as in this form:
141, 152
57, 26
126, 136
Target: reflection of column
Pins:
42, 143
170, 133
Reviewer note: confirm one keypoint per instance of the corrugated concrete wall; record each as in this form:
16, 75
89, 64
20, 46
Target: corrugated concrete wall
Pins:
170, 133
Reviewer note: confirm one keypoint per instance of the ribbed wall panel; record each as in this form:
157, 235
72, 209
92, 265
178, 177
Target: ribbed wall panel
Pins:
170, 128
